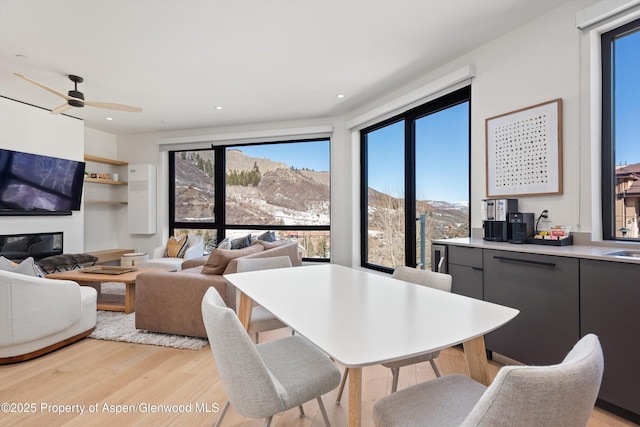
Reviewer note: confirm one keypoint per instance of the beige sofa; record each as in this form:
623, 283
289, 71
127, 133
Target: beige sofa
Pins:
169, 302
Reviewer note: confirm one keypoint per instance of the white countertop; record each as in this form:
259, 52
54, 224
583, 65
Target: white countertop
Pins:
573, 251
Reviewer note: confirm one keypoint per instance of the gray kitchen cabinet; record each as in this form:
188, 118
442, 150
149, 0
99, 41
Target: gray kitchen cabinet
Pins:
546, 291
610, 308
465, 268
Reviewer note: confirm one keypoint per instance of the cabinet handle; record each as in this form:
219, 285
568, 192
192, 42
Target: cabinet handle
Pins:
527, 261
477, 268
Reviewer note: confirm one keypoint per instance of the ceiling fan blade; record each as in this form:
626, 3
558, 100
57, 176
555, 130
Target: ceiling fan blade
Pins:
45, 87
61, 109
111, 106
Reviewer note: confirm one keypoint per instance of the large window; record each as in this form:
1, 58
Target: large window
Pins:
235, 191
621, 133
415, 182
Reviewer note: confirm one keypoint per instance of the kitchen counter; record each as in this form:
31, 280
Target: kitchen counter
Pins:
574, 251
563, 293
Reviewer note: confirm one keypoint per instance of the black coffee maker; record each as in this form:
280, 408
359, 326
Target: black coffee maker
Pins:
521, 227
495, 218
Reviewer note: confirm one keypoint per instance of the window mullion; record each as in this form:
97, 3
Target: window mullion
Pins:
410, 191
220, 191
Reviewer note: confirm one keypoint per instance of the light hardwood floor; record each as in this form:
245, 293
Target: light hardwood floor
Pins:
105, 377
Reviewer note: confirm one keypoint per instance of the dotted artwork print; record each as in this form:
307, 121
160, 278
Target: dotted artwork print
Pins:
524, 151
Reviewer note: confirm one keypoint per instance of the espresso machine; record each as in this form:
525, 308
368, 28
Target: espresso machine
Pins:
495, 218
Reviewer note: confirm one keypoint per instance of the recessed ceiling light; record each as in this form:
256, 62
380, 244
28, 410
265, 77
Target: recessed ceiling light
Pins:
218, 107
163, 121
20, 56
108, 118
340, 96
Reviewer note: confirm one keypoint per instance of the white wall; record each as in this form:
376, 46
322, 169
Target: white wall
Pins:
102, 222
34, 130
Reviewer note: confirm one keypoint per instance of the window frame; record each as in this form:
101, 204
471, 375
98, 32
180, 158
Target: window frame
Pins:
608, 143
219, 224
410, 117
218, 204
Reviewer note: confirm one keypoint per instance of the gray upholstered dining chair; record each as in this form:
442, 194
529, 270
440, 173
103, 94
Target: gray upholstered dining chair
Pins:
263, 320
265, 379
560, 395
428, 278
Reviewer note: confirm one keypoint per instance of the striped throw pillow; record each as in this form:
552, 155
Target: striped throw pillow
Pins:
177, 247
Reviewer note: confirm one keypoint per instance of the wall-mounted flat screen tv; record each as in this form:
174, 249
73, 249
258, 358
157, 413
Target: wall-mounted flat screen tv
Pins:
36, 184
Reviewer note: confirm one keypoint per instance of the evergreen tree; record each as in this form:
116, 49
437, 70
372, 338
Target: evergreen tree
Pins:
245, 178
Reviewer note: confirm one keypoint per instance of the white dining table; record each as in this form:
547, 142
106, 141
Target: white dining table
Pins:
361, 318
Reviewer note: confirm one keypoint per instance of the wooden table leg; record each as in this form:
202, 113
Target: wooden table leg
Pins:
355, 396
244, 310
476, 355
130, 298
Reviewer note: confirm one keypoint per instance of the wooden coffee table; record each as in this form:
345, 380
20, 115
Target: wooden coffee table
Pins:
95, 276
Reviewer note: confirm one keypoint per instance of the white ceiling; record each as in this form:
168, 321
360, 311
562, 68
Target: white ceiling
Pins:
260, 60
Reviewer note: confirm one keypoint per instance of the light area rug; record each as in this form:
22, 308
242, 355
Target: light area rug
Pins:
118, 326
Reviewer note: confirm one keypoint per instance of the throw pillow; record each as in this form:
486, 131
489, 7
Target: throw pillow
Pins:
220, 258
5, 264
241, 242
176, 248
267, 236
27, 267
225, 244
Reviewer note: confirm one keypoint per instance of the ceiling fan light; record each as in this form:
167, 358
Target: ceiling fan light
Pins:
76, 94
76, 103
77, 98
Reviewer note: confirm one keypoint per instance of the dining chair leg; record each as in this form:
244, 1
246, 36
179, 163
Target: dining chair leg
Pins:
267, 421
342, 384
324, 412
301, 411
435, 368
222, 414
396, 374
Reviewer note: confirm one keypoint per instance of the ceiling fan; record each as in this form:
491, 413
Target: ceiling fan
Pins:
75, 98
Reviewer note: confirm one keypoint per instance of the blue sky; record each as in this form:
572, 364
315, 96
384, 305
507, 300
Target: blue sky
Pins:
442, 147
627, 99
442, 156
311, 155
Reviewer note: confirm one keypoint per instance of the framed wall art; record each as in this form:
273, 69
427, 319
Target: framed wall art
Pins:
524, 151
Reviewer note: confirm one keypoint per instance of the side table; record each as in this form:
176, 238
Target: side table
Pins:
133, 259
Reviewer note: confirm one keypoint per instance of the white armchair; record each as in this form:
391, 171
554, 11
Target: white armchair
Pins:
39, 315
195, 249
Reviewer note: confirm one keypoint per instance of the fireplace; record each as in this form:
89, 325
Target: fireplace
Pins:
18, 247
